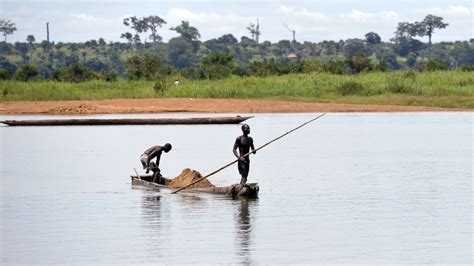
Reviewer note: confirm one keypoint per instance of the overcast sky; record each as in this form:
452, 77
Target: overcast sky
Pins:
317, 20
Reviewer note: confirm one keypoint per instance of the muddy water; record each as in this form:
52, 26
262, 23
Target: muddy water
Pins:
350, 188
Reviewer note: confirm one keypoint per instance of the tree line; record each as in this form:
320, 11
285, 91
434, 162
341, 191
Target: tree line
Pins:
148, 57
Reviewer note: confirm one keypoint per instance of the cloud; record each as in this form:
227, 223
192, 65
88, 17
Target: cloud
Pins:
85, 17
82, 20
313, 24
372, 17
204, 17
210, 24
301, 12
451, 11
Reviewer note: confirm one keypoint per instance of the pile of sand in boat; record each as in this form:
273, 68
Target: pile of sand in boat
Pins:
188, 176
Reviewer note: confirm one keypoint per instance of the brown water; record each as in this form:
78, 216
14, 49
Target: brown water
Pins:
350, 188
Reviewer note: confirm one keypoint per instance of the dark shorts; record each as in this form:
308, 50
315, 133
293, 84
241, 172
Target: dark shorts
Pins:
244, 168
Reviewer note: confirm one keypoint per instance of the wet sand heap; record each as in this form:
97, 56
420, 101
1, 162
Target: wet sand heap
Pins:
188, 176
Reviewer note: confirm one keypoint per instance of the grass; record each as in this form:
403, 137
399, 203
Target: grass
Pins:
441, 89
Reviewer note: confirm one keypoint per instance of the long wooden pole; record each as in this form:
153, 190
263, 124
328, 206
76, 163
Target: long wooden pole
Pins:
234, 161
138, 176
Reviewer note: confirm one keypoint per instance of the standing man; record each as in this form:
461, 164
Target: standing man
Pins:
150, 154
244, 143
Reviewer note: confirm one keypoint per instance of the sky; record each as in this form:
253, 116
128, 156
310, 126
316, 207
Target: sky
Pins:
316, 20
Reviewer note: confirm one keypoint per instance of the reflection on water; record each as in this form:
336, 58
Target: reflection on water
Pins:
244, 221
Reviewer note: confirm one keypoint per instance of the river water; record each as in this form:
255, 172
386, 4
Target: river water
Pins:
357, 188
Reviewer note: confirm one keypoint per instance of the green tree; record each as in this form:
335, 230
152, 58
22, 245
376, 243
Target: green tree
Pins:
353, 47
360, 63
26, 73
102, 47
254, 31
227, 39
217, 66
93, 45
46, 45
153, 23
147, 67
434, 65
31, 40
77, 73
181, 53
22, 48
137, 24
247, 42
372, 38
5, 73
133, 67
7, 27
186, 31
429, 24
127, 36
404, 37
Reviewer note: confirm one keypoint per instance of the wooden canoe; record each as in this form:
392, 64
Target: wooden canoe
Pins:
128, 121
237, 190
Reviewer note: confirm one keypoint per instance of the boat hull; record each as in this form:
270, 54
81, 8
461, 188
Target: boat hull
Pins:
236, 190
129, 121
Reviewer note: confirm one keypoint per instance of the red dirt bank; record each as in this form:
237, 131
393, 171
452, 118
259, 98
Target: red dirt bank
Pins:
135, 106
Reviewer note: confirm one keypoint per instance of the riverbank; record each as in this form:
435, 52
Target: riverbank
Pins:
289, 93
191, 105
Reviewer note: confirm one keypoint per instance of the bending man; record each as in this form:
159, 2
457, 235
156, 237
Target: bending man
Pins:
150, 154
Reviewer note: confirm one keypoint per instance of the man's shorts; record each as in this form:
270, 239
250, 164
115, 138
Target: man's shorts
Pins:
144, 160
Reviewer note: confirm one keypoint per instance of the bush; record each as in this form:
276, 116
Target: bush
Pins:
5, 73
262, 69
310, 66
217, 66
273, 67
56, 75
400, 83
240, 71
337, 67
160, 86
109, 76
147, 67
360, 63
190, 73
77, 73
410, 74
351, 88
467, 67
26, 73
434, 65
9, 67
133, 67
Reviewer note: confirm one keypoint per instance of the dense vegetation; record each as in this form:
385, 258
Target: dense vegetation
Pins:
439, 88
228, 68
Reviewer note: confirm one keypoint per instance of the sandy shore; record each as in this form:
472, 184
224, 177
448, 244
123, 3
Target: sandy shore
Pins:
136, 106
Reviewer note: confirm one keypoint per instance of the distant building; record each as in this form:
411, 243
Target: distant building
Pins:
291, 56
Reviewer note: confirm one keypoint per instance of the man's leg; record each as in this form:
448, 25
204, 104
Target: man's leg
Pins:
243, 170
156, 172
156, 177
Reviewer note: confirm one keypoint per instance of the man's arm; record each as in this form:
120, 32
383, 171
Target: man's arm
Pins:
158, 157
236, 145
251, 146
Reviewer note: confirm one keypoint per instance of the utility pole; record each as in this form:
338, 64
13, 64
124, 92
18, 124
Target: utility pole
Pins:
257, 31
47, 32
292, 31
